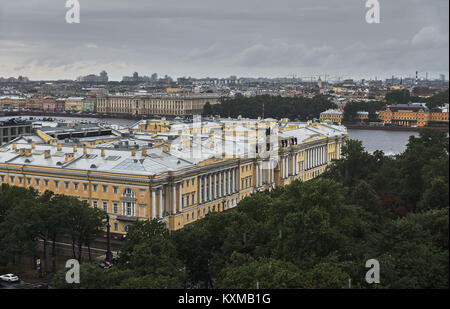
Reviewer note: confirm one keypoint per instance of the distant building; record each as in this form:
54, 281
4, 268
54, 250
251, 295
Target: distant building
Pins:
154, 105
74, 104
48, 105
12, 128
333, 115
89, 105
92, 78
413, 115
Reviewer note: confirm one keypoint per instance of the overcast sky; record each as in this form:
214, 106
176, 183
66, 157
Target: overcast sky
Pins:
247, 38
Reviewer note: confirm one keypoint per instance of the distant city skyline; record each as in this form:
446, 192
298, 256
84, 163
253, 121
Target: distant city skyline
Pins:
203, 38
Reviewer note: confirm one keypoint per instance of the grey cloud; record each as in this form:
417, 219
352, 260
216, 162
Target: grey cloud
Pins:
219, 38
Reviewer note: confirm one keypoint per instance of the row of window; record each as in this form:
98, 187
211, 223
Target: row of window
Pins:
246, 182
185, 199
247, 168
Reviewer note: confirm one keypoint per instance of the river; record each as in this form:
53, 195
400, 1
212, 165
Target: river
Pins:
390, 142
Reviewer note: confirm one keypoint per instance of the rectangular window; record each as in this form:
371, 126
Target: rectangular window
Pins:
115, 190
75, 185
2, 178
193, 181
94, 204
66, 185
94, 188
105, 206
29, 181
116, 226
187, 200
56, 183
193, 198
37, 181
20, 180
115, 207
128, 209
11, 178
105, 188
85, 187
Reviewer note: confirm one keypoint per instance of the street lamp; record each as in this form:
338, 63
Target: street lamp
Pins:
108, 255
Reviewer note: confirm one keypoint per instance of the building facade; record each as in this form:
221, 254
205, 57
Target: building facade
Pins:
333, 115
191, 174
413, 115
148, 105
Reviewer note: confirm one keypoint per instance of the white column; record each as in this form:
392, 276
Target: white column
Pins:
161, 202
233, 182
286, 167
153, 204
200, 193
307, 159
167, 195
228, 182
204, 190
174, 199
215, 186
180, 208
210, 187
220, 184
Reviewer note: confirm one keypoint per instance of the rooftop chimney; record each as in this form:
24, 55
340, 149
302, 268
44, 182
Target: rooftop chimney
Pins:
58, 147
84, 149
47, 154
75, 148
144, 152
33, 144
133, 152
102, 152
14, 146
69, 157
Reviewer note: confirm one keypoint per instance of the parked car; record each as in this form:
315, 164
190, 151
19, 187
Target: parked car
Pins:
9, 278
104, 265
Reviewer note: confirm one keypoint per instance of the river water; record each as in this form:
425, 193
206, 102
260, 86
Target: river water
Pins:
390, 142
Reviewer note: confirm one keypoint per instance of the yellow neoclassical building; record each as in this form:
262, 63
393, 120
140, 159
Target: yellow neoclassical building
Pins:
200, 167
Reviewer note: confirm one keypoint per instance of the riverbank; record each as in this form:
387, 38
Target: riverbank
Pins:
391, 128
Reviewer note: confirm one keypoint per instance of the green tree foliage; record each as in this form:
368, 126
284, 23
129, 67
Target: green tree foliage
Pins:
325, 276
435, 100
264, 273
300, 108
352, 108
398, 97
28, 217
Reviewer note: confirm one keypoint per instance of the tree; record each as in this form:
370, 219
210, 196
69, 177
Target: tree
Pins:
435, 197
398, 97
325, 276
365, 196
265, 273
